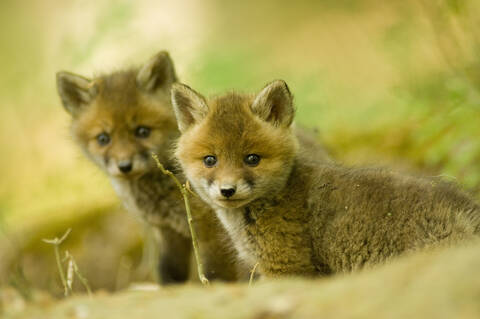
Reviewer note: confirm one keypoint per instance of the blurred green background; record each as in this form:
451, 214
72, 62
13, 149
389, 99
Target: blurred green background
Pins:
392, 83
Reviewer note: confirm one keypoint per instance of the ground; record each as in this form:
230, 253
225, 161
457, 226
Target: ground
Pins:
444, 283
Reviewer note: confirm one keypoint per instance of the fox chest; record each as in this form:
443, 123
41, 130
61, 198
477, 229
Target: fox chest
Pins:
153, 202
124, 192
277, 241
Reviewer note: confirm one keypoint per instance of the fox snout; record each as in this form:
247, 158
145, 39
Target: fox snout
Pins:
125, 166
230, 193
124, 158
122, 166
227, 191
128, 166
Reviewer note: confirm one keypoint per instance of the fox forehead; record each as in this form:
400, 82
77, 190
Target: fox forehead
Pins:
121, 105
231, 112
231, 126
142, 110
118, 89
232, 131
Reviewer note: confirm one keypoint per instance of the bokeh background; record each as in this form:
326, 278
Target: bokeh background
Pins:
392, 83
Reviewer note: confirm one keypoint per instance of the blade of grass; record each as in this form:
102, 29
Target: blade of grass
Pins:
252, 274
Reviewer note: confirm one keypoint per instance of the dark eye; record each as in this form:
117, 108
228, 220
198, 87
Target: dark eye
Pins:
252, 159
142, 132
103, 139
210, 160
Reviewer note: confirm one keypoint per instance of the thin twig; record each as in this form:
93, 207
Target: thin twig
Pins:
189, 189
74, 267
252, 274
184, 191
56, 242
69, 273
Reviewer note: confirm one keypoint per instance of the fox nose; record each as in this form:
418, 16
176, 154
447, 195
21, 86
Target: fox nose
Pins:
125, 166
227, 192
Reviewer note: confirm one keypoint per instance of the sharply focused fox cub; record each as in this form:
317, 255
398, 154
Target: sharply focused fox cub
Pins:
293, 214
119, 119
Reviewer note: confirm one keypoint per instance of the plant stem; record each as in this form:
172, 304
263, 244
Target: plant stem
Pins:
82, 279
56, 242
60, 269
252, 274
184, 191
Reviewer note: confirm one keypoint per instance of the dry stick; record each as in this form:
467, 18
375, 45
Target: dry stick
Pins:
184, 191
56, 242
189, 189
69, 273
252, 274
73, 268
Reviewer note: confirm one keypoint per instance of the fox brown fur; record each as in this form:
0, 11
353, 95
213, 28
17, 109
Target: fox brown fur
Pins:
119, 119
119, 107
293, 214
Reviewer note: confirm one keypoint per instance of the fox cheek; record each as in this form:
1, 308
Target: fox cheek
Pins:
99, 159
209, 181
145, 154
249, 179
105, 160
111, 168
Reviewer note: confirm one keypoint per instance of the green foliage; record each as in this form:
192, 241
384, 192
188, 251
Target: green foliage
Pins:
226, 69
112, 16
437, 128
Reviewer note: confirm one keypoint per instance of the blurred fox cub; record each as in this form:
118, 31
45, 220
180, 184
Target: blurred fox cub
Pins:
118, 120
293, 214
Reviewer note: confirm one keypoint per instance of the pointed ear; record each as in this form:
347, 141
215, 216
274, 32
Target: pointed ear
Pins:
190, 107
75, 91
157, 73
274, 104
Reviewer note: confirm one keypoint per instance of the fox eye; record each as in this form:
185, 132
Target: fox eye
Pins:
142, 132
103, 139
210, 160
252, 159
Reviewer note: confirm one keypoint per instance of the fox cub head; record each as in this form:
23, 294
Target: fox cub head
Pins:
120, 118
235, 148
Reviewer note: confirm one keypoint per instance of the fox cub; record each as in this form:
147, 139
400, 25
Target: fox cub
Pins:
119, 119
293, 214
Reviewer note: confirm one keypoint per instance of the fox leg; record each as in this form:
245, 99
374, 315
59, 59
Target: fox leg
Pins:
216, 249
218, 261
175, 251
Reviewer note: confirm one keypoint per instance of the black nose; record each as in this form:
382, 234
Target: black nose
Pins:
125, 167
227, 192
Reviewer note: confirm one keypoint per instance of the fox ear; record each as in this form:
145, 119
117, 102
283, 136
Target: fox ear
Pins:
75, 91
274, 104
190, 107
157, 73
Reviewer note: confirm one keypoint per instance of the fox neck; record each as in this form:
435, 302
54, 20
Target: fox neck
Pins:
134, 191
234, 222
237, 220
